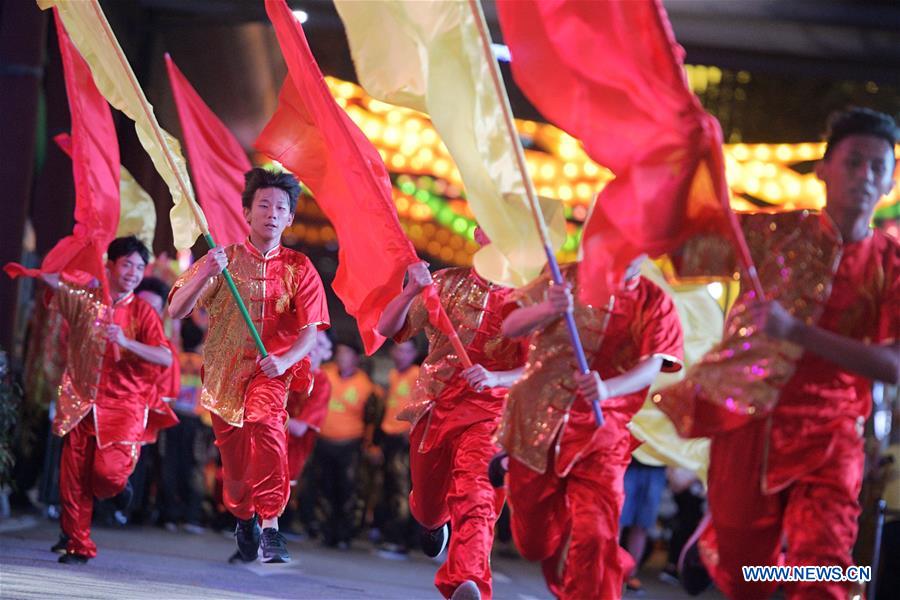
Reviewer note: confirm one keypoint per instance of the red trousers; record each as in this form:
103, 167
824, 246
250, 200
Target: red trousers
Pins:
816, 515
299, 449
571, 523
450, 483
254, 457
86, 471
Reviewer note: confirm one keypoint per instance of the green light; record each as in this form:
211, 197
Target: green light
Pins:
460, 225
408, 187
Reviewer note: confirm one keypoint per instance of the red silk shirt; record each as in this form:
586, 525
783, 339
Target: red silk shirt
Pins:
284, 295
477, 309
93, 379
312, 406
543, 407
822, 400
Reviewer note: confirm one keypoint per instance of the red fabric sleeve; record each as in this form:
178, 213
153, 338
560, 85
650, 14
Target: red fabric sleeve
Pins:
316, 406
661, 333
888, 330
309, 299
149, 328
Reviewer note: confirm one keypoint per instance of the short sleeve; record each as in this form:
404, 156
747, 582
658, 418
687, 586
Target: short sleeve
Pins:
73, 302
209, 289
661, 334
417, 316
309, 299
149, 328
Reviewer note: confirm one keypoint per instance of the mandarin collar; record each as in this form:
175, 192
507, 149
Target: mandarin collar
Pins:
126, 299
254, 251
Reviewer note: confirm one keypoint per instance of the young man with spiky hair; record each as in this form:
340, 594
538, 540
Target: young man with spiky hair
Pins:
791, 471
115, 353
245, 394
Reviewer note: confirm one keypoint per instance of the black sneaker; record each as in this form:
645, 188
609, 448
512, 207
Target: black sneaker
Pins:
433, 541
236, 558
467, 590
73, 559
60, 546
496, 470
246, 534
274, 547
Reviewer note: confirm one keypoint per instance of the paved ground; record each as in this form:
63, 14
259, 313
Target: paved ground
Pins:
150, 563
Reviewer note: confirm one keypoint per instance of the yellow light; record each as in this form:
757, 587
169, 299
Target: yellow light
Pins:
784, 153
548, 171
772, 191
762, 152
377, 106
342, 102
415, 231
394, 117
346, 89
565, 193
740, 152
429, 136
545, 191
413, 124
715, 290
402, 205
806, 151
398, 161
441, 167
391, 136
793, 188
372, 129
751, 185
426, 154
583, 191
591, 169
570, 170
715, 75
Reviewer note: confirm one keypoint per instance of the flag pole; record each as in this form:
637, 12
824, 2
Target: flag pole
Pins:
530, 193
185, 190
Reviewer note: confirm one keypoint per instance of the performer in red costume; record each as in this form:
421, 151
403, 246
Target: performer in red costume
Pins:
165, 389
115, 354
565, 473
454, 415
307, 409
791, 470
246, 395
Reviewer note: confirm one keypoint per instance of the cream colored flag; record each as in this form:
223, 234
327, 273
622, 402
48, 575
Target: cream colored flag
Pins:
137, 213
427, 56
702, 322
90, 32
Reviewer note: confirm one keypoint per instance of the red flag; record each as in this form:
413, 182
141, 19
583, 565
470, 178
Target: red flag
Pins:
95, 164
314, 138
216, 160
610, 73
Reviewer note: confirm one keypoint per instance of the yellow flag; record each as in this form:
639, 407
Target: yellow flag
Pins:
137, 213
427, 56
91, 34
702, 322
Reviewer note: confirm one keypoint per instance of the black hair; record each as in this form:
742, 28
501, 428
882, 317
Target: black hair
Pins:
191, 335
860, 121
154, 285
258, 178
126, 246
